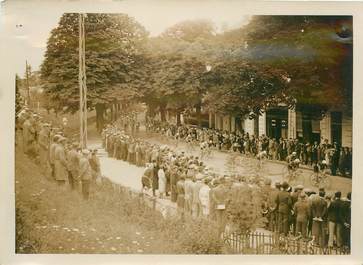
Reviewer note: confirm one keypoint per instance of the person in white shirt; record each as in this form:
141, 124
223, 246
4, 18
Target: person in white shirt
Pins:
204, 197
162, 181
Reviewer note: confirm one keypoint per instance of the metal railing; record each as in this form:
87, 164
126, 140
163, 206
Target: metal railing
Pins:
260, 243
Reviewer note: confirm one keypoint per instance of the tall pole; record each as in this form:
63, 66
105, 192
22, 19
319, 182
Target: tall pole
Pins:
27, 82
82, 83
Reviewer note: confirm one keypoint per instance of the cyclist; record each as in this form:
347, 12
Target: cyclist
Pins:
292, 167
290, 159
204, 149
261, 156
319, 172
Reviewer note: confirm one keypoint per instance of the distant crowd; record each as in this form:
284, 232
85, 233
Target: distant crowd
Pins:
337, 158
202, 193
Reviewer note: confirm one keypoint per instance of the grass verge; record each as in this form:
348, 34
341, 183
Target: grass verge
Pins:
53, 219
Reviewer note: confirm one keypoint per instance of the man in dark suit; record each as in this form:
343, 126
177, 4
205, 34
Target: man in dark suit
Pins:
345, 217
273, 221
335, 222
302, 214
319, 212
283, 205
294, 199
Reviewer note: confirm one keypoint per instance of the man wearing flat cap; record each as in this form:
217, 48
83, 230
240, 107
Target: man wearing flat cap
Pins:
196, 205
273, 214
95, 164
44, 141
60, 162
302, 214
220, 200
295, 196
85, 174
29, 135
204, 197
73, 158
283, 205
319, 217
52, 148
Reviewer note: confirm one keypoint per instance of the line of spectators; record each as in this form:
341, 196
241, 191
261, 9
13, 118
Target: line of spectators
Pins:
59, 156
338, 159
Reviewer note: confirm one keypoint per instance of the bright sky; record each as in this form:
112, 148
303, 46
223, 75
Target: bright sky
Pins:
39, 17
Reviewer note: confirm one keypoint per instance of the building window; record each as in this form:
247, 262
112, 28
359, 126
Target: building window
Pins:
277, 123
336, 127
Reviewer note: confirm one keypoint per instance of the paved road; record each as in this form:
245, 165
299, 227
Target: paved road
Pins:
128, 175
248, 166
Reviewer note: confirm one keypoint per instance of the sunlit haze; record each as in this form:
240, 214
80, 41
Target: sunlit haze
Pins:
26, 27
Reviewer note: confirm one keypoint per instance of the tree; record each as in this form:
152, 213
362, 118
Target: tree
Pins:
315, 52
240, 88
303, 59
19, 101
175, 83
178, 59
114, 49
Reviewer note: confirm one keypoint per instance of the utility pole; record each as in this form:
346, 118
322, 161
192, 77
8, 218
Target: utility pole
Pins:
27, 82
82, 83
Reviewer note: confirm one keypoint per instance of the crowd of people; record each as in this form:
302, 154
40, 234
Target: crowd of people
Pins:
337, 158
197, 189
58, 155
202, 193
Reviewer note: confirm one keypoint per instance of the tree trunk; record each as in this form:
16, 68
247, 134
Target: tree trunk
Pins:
178, 118
112, 113
151, 111
100, 109
116, 111
198, 108
162, 109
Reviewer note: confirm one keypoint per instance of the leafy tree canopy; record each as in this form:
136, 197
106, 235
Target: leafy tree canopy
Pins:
114, 46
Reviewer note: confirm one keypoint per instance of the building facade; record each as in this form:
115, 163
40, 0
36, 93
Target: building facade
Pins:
281, 122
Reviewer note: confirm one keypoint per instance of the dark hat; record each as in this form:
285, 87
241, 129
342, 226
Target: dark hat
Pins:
285, 185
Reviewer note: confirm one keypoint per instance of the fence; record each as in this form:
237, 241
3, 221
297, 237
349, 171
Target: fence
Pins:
260, 243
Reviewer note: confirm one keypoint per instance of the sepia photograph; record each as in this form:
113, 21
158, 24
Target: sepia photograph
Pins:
204, 133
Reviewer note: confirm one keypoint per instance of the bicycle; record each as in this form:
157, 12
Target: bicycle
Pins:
293, 175
320, 179
205, 153
190, 146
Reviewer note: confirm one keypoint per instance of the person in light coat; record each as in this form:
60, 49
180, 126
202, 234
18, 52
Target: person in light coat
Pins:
73, 166
60, 162
204, 197
162, 181
95, 164
196, 205
52, 148
29, 136
188, 192
43, 140
85, 173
